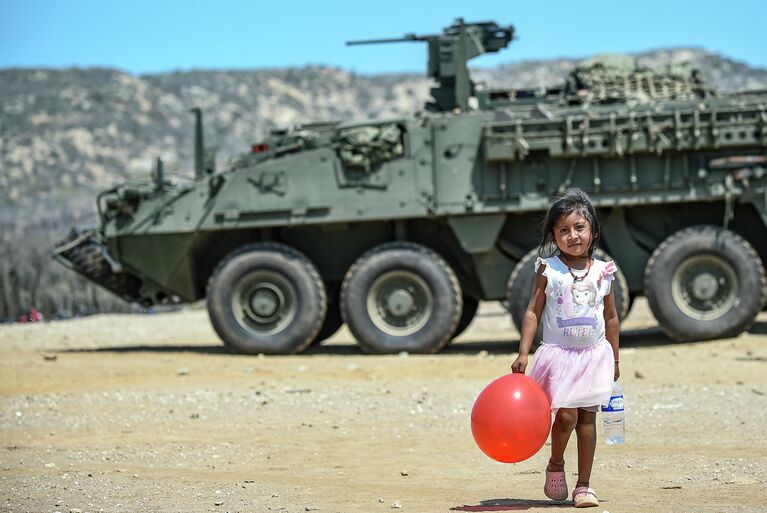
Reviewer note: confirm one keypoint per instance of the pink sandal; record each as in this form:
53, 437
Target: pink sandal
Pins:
556, 485
584, 497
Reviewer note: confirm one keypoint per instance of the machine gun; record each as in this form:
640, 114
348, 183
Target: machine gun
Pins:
449, 54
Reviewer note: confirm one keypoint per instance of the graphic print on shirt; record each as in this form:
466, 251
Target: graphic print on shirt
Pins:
576, 309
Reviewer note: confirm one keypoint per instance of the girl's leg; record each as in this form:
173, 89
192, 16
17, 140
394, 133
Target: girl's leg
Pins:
586, 431
564, 423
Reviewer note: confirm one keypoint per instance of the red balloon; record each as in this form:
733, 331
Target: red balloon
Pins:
511, 418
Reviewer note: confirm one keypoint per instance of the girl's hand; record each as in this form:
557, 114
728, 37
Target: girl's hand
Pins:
520, 364
617, 372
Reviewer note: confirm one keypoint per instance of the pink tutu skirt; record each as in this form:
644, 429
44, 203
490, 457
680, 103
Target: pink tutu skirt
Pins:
575, 377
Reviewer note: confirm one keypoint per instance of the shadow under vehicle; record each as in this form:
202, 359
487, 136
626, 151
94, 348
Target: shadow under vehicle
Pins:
399, 227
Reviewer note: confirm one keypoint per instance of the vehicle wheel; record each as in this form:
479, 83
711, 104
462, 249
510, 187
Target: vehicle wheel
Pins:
520, 287
469, 310
518, 291
401, 297
704, 282
333, 320
266, 298
623, 299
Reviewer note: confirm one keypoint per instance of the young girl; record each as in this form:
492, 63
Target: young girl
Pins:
577, 360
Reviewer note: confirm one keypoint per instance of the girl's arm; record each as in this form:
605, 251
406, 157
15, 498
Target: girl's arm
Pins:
530, 320
612, 328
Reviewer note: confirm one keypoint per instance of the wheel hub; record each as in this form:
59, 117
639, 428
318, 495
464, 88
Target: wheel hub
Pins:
400, 302
266, 301
705, 287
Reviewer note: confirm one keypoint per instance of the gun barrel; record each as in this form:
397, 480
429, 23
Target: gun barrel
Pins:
405, 38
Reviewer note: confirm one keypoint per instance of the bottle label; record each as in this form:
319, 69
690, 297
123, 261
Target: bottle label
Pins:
616, 404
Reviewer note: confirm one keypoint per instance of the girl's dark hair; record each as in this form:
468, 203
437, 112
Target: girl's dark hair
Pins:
572, 201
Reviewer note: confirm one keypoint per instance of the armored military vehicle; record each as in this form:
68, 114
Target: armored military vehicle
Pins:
399, 227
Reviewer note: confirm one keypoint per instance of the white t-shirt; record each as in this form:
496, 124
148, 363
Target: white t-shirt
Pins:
574, 312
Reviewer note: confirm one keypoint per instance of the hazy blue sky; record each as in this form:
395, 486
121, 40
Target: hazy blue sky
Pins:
145, 36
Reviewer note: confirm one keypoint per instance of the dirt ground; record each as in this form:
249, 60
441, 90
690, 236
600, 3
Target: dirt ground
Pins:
129, 413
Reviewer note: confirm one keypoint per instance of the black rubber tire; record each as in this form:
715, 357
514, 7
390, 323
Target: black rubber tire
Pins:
282, 261
333, 320
623, 299
520, 287
518, 291
440, 321
469, 310
678, 250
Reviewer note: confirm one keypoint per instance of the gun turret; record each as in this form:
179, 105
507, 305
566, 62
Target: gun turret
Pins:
449, 54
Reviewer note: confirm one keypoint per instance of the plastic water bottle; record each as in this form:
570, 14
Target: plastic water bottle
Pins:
614, 417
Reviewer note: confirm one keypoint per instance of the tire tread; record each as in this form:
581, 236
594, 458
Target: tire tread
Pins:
686, 233
410, 246
287, 252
